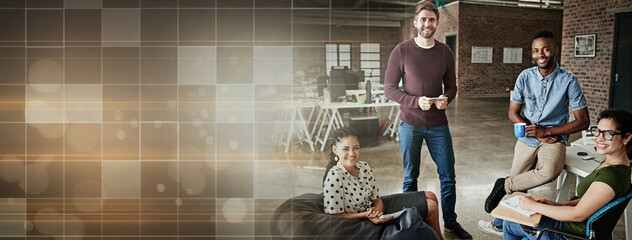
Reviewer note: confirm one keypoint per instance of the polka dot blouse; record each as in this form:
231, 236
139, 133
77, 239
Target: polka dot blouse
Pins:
346, 194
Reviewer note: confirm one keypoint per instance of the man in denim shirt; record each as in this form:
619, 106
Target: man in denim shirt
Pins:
544, 93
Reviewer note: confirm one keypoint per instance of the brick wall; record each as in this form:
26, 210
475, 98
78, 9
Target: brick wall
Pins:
498, 27
448, 22
490, 26
588, 17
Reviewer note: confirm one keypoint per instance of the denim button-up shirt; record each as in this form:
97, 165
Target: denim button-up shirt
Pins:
545, 100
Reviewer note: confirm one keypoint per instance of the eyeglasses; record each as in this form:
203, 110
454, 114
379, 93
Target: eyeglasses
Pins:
607, 134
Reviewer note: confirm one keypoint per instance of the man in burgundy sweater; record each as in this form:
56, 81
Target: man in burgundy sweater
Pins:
426, 68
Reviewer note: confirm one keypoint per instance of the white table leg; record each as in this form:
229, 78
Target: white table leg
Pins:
339, 118
326, 116
317, 123
562, 194
321, 125
628, 221
331, 122
577, 180
290, 131
559, 180
303, 127
280, 127
390, 114
395, 124
309, 118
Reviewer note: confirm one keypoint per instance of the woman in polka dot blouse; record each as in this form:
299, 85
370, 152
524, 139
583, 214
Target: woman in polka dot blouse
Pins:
351, 191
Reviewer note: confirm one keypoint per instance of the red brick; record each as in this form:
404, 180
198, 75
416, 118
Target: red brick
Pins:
491, 26
591, 17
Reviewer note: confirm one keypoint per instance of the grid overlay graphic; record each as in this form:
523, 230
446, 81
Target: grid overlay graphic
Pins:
150, 119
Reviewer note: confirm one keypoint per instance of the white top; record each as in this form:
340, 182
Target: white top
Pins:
346, 194
419, 44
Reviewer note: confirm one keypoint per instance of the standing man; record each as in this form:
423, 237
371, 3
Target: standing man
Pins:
545, 92
426, 68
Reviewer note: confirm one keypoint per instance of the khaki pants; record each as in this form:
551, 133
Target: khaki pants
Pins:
533, 167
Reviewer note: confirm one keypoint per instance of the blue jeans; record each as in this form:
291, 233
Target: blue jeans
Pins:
498, 223
513, 231
439, 143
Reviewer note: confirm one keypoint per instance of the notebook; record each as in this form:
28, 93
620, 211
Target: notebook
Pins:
513, 203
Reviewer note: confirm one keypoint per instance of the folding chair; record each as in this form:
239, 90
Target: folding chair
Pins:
599, 225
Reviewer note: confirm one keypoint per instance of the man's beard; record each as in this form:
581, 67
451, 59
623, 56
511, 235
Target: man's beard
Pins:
421, 33
549, 63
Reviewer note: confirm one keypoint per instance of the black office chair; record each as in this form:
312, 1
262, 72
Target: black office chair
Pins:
599, 225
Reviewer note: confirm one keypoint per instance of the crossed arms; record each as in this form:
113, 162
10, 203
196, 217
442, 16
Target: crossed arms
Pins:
550, 134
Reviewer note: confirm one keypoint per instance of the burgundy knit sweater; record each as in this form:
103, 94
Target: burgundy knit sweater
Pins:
424, 72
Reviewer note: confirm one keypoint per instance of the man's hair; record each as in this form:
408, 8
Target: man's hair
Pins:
425, 5
543, 34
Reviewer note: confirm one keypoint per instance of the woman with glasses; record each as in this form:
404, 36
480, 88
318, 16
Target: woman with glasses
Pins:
609, 181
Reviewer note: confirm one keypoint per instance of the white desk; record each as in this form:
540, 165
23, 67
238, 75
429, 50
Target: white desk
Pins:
576, 167
329, 114
357, 93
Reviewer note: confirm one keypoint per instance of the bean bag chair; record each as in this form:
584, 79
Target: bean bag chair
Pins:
303, 217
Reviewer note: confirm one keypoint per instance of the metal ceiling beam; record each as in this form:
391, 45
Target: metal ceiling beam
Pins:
353, 18
555, 4
545, 4
346, 22
341, 17
403, 3
397, 16
359, 3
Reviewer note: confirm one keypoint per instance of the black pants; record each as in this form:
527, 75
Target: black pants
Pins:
395, 202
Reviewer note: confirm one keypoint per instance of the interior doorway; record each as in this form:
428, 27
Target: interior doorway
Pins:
621, 92
451, 42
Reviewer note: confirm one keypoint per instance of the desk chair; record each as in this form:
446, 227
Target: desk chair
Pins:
600, 224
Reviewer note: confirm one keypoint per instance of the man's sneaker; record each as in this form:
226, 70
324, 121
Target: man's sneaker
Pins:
489, 228
496, 195
458, 231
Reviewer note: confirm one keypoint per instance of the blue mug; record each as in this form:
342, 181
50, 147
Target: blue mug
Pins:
519, 129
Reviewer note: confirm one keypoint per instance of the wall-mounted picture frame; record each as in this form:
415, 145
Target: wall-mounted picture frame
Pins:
585, 45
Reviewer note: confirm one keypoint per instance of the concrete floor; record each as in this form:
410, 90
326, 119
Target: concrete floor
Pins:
483, 145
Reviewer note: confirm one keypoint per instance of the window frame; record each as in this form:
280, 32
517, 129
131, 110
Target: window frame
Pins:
338, 53
367, 50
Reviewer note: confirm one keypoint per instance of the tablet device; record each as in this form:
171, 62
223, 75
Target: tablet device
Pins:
394, 215
434, 99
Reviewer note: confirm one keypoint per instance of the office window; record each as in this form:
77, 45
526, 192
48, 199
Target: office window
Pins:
370, 61
337, 55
